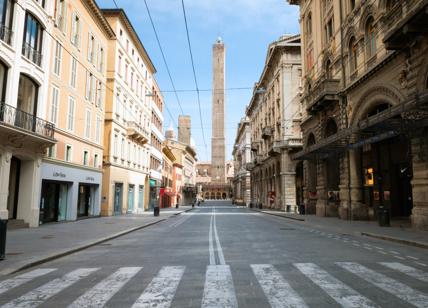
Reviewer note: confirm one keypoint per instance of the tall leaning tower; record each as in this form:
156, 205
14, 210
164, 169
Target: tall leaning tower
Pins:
218, 150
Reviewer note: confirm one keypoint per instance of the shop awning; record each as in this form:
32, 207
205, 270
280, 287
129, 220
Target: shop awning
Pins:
383, 125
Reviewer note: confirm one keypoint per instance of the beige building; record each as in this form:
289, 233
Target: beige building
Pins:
365, 102
72, 169
274, 113
241, 157
127, 120
25, 54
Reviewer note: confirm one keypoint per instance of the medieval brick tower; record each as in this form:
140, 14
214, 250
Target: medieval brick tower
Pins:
218, 150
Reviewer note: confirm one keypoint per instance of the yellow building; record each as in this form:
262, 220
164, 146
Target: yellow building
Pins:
72, 169
127, 120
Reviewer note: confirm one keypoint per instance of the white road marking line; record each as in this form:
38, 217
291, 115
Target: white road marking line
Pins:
210, 240
277, 290
218, 289
398, 257
380, 248
161, 290
408, 270
382, 252
423, 264
413, 258
387, 284
100, 294
340, 292
368, 248
37, 296
11, 283
358, 245
219, 249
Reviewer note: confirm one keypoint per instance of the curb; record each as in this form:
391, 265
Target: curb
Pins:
279, 215
397, 240
77, 249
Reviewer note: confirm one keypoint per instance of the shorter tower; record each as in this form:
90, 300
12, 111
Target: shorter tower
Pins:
184, 129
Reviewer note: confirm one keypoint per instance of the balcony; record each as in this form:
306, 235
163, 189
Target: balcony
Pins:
267, 132
136, 132
290, 143
5, 34
23, 129
250, 166
323, 93
255, 146
32, 54
404, 22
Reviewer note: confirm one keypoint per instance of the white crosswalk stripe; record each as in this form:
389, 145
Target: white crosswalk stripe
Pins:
277, 290
46, 291
341, 293
387, 284
9, 284
408, 270
104, 290
161, 290
218, 289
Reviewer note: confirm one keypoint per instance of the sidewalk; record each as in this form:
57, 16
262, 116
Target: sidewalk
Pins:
403, 235
29, 247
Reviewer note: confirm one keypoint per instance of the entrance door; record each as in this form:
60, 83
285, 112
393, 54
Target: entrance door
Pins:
130, 198
12, 199
141, 197
49, 202
84, 201
118, 191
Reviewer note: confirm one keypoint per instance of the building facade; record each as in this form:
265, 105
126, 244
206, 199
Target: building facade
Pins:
167, 191
25, 53
127, 125
364, 104
72, 169
241, 157
274, 113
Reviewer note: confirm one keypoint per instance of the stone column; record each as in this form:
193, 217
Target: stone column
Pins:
321, 207
288, 181
419, 215
5, 157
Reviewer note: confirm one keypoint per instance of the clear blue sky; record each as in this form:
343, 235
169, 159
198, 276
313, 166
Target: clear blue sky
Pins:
246, 26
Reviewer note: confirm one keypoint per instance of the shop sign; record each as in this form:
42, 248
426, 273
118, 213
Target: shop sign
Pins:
58, 175
152, 182
376, 196
90, 178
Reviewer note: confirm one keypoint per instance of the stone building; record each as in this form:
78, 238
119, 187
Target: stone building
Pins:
241, 157
127, 127
365, 105
274, 113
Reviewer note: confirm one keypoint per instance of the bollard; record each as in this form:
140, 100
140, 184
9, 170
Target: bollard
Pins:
176, 206
156, 211
3, 230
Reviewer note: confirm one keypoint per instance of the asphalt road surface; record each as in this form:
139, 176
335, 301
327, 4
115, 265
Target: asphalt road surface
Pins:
219, 255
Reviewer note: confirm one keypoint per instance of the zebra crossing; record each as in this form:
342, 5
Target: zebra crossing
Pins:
218, 290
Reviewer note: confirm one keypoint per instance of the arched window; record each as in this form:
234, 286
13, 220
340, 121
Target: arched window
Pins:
352, 55
370, 38
330, 128
3, 81
328, 69
331, 163
27, 95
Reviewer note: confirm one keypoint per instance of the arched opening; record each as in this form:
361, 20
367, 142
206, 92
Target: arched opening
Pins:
386, 171
370, 40
224, 196
218, 195
207, 195
332, 172
212, 196
312, 170
352, 46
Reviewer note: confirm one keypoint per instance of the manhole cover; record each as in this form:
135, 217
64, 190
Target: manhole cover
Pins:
287, 229
46, 237
13, 253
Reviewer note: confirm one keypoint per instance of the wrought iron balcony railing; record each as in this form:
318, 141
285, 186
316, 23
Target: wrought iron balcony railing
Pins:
32, 54
5, 34
12, 116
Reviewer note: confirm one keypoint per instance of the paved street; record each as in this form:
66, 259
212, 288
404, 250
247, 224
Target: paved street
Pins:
219, 255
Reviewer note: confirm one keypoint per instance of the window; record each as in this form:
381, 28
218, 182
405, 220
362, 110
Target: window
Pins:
132, 80
60, 14
27, 100
126, 72
57, 59
73, 76
370, 39
352, 55
98, 129
68, 152
85, 158
6, 16
91, 47
70, 116
119, 65
129, 151
329, 30
54, 106
88, 124
117, 104
99, 94
75, 30
96, 161
122, 149
309, 25
115, 146
90, 86
33, 38
51, 151
101, 59
3, 81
